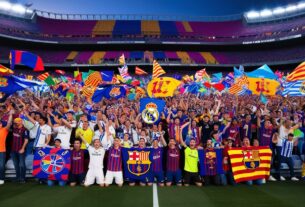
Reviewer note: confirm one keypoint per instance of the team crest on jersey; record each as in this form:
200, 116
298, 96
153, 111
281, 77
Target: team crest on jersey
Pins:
150, 114
138, 162
3, 82
302, 88
115, 91
251, 159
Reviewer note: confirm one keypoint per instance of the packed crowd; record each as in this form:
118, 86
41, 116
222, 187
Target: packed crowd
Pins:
96, 132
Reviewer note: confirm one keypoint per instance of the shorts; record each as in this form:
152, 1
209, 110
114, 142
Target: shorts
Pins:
189, 177
117, 176
77, 178
144, 180
174, 176
158, 175
94, 175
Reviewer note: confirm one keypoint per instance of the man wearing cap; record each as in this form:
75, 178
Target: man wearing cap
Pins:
19, 142
4, 129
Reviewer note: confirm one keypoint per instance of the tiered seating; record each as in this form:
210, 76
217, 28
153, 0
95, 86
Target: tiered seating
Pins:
96, 57
185, 58
209, 58
127, 27
72, 56
168, 28
150, 27
103, 27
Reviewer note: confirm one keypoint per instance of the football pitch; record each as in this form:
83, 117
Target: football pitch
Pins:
279, 194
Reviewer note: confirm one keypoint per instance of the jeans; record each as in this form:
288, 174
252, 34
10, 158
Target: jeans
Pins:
289, 162
60, 183
226, 178
2, 165
19, 164
278, 161
29, 147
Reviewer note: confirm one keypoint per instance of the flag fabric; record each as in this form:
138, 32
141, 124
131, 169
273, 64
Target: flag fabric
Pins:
210, 162
29, 77
51, 164
43, 76
124, 73
262, 72
137, 163
228, 80
157, 70
78, 76
49, 80
263, 85
107, 75
251, 163
5, 71
88, 91
26, 58
11, 84
202, 75
108, 93
239, 85
61, 72
238, 73
139, 71
297, 74
295, 88
162, 87
263, 98
94, 79
122, 60
151, 109
140, 92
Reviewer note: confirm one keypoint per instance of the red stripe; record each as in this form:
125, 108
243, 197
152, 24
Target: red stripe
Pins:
250, 178
18, 55
238, 164
242, 156
260, 169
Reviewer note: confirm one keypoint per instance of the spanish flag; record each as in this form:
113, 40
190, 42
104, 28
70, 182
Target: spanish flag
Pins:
251, 163
157, 70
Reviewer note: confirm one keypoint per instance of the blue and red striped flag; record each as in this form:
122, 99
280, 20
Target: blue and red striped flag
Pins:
26, 58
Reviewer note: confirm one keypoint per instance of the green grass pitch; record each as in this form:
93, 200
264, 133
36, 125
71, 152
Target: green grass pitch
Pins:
277, 194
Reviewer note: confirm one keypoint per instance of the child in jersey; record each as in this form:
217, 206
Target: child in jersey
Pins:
173, 170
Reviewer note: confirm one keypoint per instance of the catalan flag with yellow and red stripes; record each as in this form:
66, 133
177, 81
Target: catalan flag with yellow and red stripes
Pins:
157, 70
251, 163
297, 74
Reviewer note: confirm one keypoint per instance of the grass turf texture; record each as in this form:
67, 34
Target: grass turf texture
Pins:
277, 194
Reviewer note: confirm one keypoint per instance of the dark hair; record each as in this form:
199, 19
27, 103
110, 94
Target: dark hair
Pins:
44, 119
290, 135
78, 140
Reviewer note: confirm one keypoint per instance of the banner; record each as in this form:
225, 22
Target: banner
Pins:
210, 162
51, 164
263, 85
26, 58
108, 92
251, 163
151, 109
137, 163
162, 87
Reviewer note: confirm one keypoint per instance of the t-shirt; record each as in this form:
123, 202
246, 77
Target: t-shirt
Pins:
87, 134
283, 134
96, 157
64, 134
191, 160
45, 130
3, 135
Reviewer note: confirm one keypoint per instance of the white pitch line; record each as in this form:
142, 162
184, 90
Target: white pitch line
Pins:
155, 196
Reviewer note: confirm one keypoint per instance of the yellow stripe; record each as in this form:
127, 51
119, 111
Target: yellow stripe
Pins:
72, 55
96, 57
103, 27
150, 27
209, 58
187, 26
245, 175
238, 160
185, 58
244, 168
235, 152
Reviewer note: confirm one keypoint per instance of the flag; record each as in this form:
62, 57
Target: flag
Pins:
217, 76
202, 75
238, 73
29, 77
210, 162
151, 109
51, 164
94, 79
88, 91
107, 75
64, 79
122, 60
250, 163
157, 70
124, 73
61, 72
78, 76
297, 74
262, 72
5, 71
11, 84
263, 98
228, 80
137, 163
43, 76
139, 71
140, 92
162, 87
26, 58
295, 88
239, 85
263, 85
108, 93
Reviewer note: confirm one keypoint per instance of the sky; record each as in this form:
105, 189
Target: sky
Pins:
156, 7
